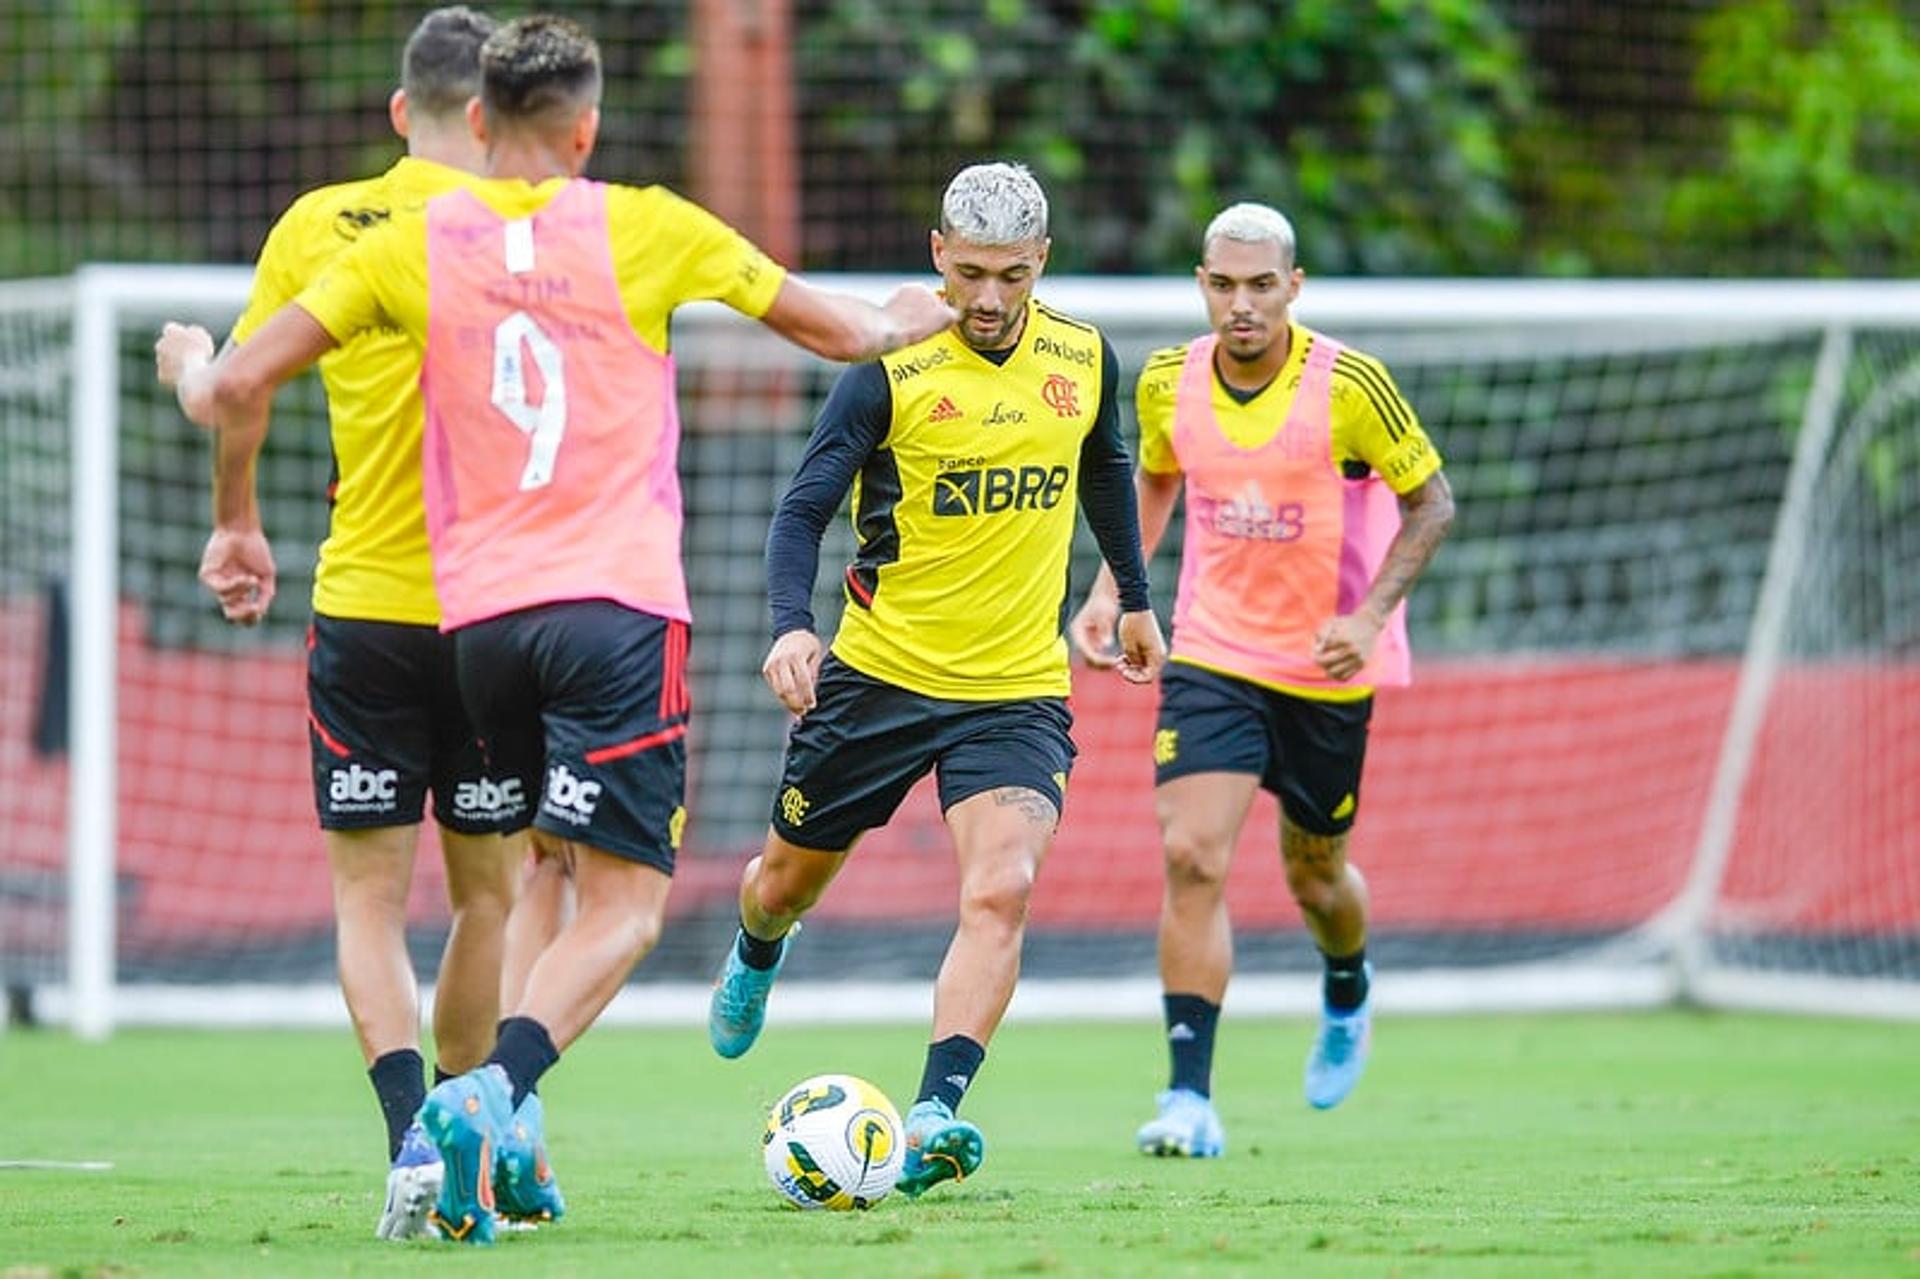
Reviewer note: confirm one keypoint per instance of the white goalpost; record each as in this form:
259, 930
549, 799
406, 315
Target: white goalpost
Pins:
1661, 743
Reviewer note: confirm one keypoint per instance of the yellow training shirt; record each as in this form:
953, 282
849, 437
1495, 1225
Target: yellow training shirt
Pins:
966, 512
373, 563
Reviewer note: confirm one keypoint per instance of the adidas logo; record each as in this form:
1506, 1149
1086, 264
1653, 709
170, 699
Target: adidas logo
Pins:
945, 411
1181, 1033
958, 1081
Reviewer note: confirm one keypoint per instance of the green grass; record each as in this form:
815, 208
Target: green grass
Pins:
1667, 1144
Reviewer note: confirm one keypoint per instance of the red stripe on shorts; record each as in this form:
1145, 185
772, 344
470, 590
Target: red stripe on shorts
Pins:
637, 745
327, 739
674, 701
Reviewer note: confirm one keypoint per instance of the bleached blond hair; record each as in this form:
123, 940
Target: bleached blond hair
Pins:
994, 204
1249, 223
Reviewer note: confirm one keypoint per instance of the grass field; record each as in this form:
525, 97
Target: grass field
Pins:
1663, 1144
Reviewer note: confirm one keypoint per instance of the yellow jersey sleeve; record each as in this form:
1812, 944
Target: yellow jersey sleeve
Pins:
668, 250
381, 281
1153, 400
1374, 424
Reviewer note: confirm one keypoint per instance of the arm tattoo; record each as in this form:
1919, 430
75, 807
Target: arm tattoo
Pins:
1427, 515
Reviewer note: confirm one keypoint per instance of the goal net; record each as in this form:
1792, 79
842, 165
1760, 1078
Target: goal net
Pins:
1661, 741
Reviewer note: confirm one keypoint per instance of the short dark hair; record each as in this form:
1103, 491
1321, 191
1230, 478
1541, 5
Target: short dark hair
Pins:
539, 69
440, 68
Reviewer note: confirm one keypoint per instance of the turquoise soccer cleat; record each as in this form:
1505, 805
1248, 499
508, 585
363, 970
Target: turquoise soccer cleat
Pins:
939, 1148
524, 1187
739, 1006
1339, 1055
465, 1118
413, 1183
1186, 1126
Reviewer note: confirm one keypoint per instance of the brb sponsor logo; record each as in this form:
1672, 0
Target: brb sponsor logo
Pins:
356, 789
568, 797
993, 490
1250, 517
488, 798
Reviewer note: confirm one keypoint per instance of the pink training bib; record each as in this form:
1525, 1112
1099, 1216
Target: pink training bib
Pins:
552, 433
1277, 539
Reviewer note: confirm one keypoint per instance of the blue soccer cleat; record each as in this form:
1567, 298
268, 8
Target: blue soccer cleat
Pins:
524, 1186
413, 1183
739, 1006
1339, 1055
1186, 1126
939, 1148
465, 1118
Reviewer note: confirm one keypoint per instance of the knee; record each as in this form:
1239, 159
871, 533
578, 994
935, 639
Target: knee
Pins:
1195, 863
784, 888
1311, 892
643, 933
627, 931
1316, 882
784, 898
1000, 895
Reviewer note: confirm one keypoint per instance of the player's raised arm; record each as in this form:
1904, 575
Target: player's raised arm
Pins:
183, 361
236, 396
839, 326
240, 395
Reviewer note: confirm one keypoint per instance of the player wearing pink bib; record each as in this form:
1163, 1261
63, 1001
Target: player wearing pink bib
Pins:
1314, 501
541, 302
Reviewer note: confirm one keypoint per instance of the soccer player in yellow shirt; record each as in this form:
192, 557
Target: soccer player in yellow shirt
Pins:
540, 302
968, 453
1314, 500
384, 716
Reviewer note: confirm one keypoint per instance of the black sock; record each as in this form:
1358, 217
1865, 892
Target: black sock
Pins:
1345, 985
756, 953
951, 1066
498, 1026
525, 1051
400, 1082
1191, 1020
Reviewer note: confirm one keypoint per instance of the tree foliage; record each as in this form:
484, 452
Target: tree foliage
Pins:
1821, 114
1379, 125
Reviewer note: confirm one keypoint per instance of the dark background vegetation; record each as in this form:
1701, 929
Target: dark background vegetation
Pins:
1426, 137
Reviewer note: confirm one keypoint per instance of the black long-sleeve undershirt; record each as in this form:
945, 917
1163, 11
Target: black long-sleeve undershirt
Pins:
852, 425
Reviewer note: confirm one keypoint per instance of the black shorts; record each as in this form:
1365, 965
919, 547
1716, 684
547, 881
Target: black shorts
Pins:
585, 704
1307, 752
855, 755
386, 725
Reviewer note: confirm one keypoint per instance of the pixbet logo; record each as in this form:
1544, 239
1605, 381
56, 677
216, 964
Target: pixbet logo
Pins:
487, 797
355, 789
573, 798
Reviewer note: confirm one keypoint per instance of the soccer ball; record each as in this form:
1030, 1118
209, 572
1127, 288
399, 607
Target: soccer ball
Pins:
833, 1142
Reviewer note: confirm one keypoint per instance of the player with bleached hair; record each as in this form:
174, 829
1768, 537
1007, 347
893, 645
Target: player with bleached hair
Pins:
1314, 501
540, 301
968, 453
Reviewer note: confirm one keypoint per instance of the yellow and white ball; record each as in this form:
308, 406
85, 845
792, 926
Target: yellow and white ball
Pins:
834, 1142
